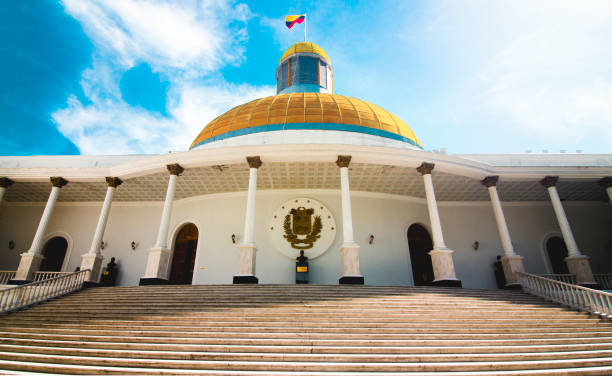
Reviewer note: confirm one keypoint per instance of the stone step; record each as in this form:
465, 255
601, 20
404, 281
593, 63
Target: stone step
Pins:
308, 357
309, 366
291, 349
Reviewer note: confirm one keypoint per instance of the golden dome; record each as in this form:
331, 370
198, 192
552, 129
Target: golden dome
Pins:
306, 47
306, 111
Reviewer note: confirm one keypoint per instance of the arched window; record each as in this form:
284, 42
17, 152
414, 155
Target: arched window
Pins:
183, 257
54, 252
419, 244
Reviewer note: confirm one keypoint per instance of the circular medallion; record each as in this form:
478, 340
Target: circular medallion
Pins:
302, 224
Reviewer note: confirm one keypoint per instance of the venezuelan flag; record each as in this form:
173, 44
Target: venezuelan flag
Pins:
292, 20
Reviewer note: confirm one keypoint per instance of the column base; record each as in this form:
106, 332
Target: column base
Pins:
92, 261
443, 266
581, 268
152, 281
246, 260
158, 264
351, 280
350, 261
28, 265
245, 279
512, 265
447, 283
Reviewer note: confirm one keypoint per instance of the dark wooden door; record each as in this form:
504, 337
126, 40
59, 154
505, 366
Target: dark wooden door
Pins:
557, 252
419, 243
54, 252
183, 258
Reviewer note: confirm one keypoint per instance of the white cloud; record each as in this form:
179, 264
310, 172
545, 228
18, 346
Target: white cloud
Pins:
185, 42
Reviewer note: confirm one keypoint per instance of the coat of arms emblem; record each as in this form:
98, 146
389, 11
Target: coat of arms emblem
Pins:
301, 230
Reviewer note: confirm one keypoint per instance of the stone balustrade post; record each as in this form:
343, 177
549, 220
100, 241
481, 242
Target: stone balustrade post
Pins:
158, 261
577, 263
247, 250
441, 256
349, 249
92, 260
30, 260
511, 262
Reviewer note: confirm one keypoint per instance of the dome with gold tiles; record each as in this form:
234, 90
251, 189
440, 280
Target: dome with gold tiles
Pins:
305, 102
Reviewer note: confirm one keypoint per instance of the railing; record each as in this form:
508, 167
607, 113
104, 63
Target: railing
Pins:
41, 276
36, 292
604, 280
6, 276
582, 298
567, 278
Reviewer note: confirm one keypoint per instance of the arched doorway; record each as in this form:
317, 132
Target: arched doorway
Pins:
54, 252
183, 257
557, 252
419, 244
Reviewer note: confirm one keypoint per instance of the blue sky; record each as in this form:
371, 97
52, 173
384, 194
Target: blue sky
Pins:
136, 76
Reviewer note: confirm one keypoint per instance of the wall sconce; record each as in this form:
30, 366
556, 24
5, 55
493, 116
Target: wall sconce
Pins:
134, 245
371, 239
234, 238
11, 244
102, 244
476, 245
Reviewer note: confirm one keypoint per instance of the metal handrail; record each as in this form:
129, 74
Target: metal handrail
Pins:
40, 276
6, 276
567, 278
19, 297
571, 295
604, 280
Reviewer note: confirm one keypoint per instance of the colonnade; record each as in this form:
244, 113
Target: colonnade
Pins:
159, 257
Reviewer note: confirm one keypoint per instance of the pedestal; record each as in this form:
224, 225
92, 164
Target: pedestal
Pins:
350, 265
512, 264
246, 265
28, 265
92, 261
581, 268
444, 268
158, 263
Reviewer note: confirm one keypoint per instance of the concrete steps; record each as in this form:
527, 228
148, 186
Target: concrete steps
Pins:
303, 330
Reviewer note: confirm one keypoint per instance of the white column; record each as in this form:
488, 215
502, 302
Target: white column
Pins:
607, 184
30, 260
577, 263
4, 184
93, 259
441, 256
349, 249
247, 250
158, 262
511, 262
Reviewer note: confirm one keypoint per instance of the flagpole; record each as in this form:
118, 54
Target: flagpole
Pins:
305, 23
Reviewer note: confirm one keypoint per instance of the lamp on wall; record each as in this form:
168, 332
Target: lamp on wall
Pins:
134, 245
102, 244
476, 245
371, 239
234, 238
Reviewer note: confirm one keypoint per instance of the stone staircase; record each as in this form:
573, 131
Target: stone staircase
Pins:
303, 330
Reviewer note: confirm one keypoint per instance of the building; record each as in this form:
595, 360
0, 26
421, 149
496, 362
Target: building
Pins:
344, 180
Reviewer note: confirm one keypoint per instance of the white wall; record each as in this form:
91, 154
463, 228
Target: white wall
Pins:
387, 217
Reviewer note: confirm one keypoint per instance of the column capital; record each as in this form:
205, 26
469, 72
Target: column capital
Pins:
343, 160
490, 181
254, 162
425, 168
113, 181
175, 169
58, 181
605, 182
5, 182
549, 181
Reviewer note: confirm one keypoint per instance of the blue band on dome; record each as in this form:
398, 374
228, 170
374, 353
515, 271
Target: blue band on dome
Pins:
308, 126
